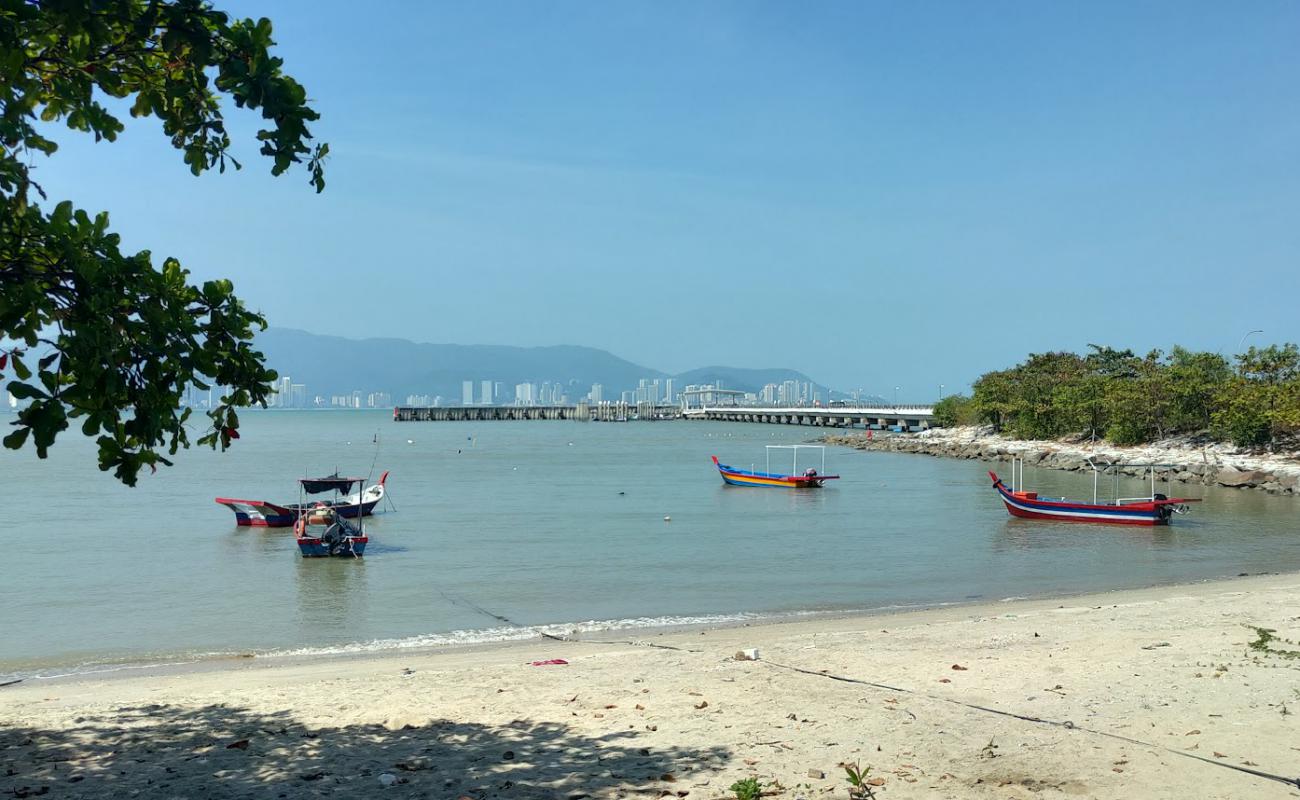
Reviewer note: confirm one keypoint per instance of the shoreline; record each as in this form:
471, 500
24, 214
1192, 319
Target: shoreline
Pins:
156, 665
1170, 666
1194, 461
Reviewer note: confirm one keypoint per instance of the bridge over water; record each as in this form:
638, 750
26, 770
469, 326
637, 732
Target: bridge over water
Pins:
601, 412
880, 417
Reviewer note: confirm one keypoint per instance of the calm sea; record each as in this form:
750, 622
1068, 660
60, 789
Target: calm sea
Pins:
546, 523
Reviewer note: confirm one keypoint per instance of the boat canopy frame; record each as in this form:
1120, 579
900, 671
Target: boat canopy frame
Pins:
794, 469
340, 486
331, 483
1148, 469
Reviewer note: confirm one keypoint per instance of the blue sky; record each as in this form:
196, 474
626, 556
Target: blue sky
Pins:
879, 194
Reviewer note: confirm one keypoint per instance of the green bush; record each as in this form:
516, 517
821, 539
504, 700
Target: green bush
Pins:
1133, 399
953, 410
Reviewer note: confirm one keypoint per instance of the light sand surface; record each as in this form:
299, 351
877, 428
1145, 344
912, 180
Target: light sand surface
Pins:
1170, 667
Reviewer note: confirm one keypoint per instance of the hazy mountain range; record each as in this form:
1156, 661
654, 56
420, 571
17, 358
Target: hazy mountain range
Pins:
330, 365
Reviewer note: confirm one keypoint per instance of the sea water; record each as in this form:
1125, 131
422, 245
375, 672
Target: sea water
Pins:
553, 525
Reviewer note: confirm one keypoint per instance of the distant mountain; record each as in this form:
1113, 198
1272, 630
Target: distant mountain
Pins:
333, 365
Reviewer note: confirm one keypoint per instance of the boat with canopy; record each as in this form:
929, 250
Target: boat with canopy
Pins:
809, 478
1154, 508
338, 536
263, 514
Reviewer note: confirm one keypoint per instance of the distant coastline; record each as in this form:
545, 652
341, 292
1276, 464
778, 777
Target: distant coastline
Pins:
1196, 461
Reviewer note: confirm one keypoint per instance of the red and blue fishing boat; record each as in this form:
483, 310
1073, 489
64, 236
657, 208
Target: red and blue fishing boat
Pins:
263, 514
809, 478
1152, 509
338, 536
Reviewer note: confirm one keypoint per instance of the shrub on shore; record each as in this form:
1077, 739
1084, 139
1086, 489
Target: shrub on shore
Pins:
1130, 399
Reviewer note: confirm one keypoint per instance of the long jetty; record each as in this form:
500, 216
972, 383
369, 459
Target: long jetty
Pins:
908, 417
584, 412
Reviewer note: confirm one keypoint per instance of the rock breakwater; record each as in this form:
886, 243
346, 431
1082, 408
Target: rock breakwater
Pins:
1192, 460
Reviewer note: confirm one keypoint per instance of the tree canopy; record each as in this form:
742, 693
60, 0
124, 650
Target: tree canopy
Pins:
1131, 399
115, 342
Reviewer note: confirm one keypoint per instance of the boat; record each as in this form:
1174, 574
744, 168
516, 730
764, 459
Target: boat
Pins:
339, 536
262, 514
1151, 509
810, 478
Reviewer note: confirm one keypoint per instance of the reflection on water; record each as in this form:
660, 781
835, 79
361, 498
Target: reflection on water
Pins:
330, 591
1019, 533
513, 518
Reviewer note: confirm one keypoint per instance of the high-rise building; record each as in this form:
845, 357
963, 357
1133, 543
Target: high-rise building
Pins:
768, 395
669, 394
525, 394
298, 395
467, 393
485, 393
597, 393
286, 393
498, 392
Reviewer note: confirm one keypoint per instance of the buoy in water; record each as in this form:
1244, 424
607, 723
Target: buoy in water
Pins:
410, 441
668, 519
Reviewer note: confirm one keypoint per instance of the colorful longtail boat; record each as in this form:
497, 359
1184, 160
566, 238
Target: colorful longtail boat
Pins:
808, 479
1153, 509
263, 514
338, 536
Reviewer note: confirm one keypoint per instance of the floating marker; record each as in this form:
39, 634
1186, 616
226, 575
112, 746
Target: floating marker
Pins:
668, 519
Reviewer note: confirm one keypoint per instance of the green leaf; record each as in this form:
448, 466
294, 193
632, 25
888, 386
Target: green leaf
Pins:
20, 369
14, 441
23, 391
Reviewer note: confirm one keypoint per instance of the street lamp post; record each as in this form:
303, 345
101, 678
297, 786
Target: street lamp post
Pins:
895, 397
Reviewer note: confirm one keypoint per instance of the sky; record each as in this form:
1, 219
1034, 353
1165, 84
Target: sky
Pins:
879, 194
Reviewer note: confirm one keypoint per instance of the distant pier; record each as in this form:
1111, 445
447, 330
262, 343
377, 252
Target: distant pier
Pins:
910, 418
583, 412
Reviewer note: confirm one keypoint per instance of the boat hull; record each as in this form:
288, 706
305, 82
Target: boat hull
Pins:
338, 540
1026, 505
768, 480
316, 548
261, 514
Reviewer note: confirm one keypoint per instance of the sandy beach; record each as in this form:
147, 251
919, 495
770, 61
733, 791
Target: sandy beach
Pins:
1145, 693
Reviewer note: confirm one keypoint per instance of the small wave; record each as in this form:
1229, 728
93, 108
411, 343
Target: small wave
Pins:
511, 634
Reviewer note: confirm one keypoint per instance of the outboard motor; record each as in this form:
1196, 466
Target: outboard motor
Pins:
335, 538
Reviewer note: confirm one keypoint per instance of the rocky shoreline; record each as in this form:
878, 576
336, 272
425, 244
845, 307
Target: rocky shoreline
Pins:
1196, 461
